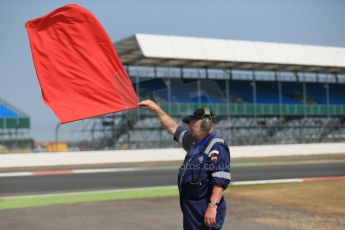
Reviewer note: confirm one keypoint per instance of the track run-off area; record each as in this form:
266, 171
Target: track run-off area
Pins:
72, 179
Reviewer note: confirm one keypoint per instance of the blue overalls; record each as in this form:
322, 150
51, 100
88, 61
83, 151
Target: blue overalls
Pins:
198, 174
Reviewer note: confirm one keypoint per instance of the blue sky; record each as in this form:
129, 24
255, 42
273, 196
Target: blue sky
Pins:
317, 22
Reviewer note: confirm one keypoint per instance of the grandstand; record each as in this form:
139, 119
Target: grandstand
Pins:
263, 93
14, 128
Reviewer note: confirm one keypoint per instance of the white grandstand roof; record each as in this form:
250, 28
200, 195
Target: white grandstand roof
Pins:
176, 51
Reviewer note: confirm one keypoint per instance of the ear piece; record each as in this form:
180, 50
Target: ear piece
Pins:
206, 121
206, 124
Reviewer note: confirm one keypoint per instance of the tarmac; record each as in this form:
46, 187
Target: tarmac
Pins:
144, 214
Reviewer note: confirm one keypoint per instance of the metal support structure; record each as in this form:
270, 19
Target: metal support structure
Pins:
336, 78
57, 128
227, 92
199, 92
137, 88
155, 72
168, 83
280, 93
304, 98
327, 98
253, 84
137, 85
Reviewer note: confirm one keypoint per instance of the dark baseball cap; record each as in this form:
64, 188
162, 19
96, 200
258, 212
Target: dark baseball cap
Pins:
199, 114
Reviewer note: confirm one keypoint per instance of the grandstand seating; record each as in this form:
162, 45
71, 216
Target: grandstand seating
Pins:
267, 93
293, 92
12, 118
337, 94
241, 91
245, 131
183, 91
316, 93
239, 121
6, 111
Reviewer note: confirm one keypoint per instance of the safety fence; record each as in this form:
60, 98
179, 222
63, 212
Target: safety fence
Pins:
255, 109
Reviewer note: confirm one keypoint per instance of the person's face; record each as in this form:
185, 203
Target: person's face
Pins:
195, 127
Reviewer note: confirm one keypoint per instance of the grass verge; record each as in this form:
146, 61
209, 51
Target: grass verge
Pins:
33, 201
324, 197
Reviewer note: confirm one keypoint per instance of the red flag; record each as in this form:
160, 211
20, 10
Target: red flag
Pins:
79, 72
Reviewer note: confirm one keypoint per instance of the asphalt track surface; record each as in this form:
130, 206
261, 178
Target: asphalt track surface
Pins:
28, 185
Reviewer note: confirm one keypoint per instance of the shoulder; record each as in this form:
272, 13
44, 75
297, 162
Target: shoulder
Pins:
180, 133
184, 137
217, 143
219, 147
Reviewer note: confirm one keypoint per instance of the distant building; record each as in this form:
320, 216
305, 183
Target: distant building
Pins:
14, 129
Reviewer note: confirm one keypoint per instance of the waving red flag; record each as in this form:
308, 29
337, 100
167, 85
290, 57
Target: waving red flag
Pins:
79, 72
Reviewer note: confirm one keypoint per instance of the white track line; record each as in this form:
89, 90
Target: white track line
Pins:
76, 171
252, 182
16, 174
80, 171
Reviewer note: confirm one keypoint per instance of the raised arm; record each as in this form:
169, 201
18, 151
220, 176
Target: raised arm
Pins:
168, 123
